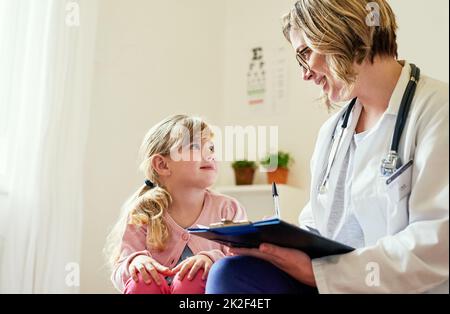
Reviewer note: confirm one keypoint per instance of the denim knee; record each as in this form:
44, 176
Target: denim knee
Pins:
226, 275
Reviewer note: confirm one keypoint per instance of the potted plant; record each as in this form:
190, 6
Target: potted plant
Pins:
244, 171
277, 166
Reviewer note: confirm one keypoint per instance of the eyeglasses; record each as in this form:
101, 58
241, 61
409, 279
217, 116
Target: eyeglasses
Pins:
302, 56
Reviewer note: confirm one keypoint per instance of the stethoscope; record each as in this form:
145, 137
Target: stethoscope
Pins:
392, 161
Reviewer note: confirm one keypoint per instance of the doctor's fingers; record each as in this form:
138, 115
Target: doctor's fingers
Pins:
242, 251
284, 254
257, 253
287, 256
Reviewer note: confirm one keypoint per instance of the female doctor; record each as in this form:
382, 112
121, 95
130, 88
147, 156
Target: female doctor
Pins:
379, 171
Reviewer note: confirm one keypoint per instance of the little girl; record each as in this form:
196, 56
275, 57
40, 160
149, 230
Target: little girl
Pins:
149, 249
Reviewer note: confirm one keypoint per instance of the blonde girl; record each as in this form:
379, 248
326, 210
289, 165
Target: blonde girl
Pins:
149, 249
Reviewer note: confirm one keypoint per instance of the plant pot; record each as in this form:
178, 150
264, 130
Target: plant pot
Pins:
279, 176
244, 176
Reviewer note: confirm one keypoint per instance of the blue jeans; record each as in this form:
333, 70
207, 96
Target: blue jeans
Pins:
250, 275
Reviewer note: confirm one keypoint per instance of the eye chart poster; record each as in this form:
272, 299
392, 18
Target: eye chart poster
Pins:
267, 76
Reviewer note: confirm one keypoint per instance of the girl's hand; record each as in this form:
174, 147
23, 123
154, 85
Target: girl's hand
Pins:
194, 263
294, 262
148, 268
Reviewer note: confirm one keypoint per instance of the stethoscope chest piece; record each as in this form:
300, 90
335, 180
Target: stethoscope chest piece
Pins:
390, 164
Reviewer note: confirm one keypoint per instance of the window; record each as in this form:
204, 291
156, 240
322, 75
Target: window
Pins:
8, 21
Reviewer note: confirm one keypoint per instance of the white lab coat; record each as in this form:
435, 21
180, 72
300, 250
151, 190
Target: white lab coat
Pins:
406, 240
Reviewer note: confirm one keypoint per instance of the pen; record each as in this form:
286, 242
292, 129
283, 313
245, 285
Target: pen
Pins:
275, 200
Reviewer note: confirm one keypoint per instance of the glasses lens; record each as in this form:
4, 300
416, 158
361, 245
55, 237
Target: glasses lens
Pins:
303, 64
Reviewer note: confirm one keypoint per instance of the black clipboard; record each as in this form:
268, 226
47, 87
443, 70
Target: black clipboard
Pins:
274, 231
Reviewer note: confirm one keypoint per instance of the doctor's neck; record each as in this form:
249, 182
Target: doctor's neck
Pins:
375, 84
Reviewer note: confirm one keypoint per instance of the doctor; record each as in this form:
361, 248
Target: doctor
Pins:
380, 172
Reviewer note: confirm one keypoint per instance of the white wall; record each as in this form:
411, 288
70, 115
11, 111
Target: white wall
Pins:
156, 58
423, 35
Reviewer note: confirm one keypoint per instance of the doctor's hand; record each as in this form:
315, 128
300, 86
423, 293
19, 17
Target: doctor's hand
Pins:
294, 262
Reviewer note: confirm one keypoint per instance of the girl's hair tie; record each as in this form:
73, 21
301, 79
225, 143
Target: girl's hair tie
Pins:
149, 183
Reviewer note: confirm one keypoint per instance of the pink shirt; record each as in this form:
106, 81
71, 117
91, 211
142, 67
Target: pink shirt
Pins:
216, 206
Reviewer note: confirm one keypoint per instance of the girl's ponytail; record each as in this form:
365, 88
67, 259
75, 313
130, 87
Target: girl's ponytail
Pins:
148, 209
145, 207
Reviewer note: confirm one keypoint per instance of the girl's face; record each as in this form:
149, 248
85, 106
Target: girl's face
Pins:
319, 71
194, 166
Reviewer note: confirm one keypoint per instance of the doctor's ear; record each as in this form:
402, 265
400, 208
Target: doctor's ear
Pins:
160, 165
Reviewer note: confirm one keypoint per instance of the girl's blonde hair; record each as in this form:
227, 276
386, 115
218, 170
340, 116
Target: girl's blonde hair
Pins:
147, 205
345, 31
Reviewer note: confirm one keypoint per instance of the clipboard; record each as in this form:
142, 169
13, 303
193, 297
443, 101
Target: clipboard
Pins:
275, 231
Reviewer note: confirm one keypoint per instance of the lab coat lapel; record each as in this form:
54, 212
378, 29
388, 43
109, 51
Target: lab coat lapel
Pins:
322, 202
325, 141
320, 158
342, 152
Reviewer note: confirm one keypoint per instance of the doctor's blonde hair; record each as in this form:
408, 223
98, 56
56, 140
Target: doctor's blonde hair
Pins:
345, 31
147, 205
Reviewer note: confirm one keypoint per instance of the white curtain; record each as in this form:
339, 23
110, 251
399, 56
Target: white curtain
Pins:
46, 62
